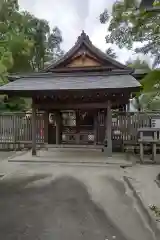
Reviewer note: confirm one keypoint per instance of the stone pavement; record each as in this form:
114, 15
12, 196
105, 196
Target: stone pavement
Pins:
71, 163
5, 154
142, 179
36, 185
72, 156
6, 167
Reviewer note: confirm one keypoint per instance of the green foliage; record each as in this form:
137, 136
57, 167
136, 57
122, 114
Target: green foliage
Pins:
128, 25
111, 53
138, 64
46, 43
14, 43
151, 82
12, 104
149, 98
26, 43
15, 104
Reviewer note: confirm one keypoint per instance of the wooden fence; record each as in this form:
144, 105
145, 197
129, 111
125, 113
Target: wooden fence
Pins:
16, 129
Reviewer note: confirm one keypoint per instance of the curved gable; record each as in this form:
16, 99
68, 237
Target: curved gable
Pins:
85, 55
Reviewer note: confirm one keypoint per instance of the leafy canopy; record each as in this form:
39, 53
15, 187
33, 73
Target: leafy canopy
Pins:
111, 53
26, 43
138, 64
128, 25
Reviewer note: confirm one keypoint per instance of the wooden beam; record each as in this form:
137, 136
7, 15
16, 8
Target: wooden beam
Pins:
69, 106
82, 97
33, 129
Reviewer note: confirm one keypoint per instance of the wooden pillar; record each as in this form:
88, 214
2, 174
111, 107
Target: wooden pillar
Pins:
77, 127
108, 133
58, 127
95, 127
154, 147
33, 129
141, 148
46, 122
128, 121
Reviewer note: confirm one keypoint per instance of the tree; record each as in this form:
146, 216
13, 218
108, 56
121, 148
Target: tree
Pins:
12, 41
25, 39
25, 42
138, 64
150, 95
138, 102
111, 53
128, 25
45, 44
13, 45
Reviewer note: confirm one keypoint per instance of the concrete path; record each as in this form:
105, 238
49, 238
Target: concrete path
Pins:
5, 155
75, 156
61, 210
143, 180
52, 201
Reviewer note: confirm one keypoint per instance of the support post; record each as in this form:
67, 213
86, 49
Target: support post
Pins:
141, 148
154, 147
128, 134
109, 129
95, 127
77, 127
46, 122
58, 128
33, 129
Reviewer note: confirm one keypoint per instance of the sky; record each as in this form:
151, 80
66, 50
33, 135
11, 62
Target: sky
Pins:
73, 16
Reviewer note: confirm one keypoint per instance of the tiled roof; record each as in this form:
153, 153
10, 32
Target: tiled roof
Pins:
55, 83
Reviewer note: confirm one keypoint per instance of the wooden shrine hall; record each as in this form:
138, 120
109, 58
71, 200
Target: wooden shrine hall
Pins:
77, 95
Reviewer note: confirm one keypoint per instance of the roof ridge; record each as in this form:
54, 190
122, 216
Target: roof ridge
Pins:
88, 74
84, 39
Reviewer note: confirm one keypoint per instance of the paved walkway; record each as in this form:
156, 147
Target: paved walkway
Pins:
75, 156
73, 202
4, 155
105, 185
143, 179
